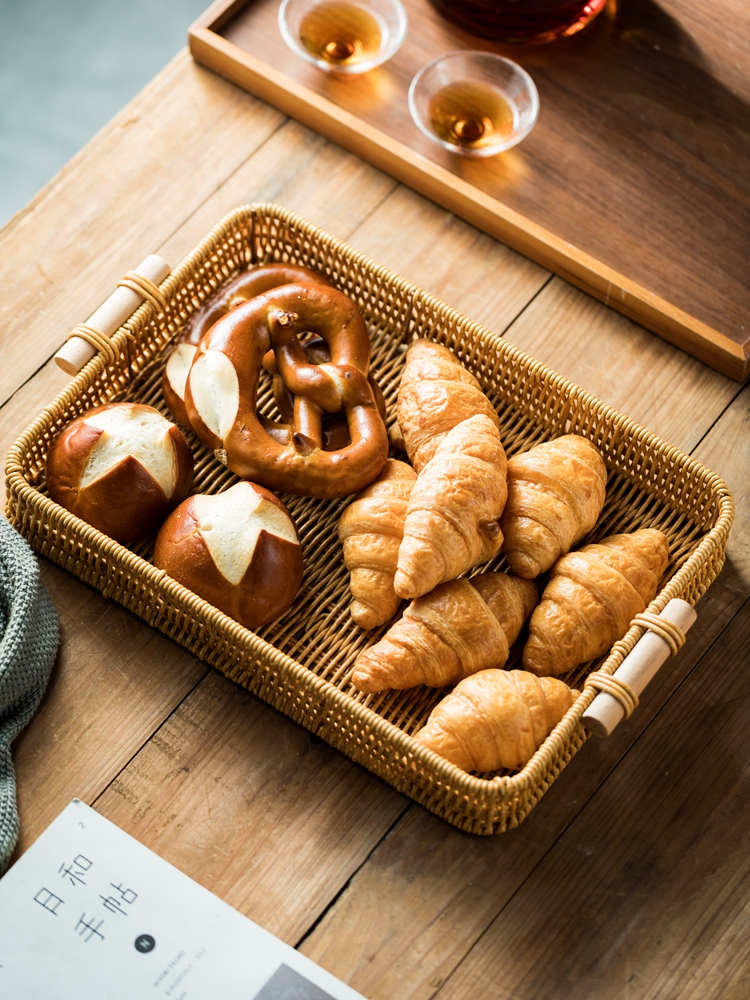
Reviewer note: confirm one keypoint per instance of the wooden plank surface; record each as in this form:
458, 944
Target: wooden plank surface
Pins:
113, 686
291, 832
607, 354
636, 162
625, 366
250, 805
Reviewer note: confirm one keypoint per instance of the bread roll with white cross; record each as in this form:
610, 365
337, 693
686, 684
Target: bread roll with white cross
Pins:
122, 468
238, 550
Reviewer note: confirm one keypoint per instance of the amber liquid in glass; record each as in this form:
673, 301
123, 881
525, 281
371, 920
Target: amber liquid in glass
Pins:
520, 20
470, 115
340, 33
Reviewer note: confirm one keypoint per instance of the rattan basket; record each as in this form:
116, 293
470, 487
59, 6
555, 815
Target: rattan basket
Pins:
301, 663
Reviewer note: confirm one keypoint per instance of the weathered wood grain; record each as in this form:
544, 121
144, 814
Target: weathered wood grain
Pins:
661, 387
726, 450
301, 171
251, 806
451, 259
646, 894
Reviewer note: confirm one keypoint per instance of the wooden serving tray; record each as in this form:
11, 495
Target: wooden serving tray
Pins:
634, 185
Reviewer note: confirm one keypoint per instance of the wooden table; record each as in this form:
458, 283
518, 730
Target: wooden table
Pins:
632, 877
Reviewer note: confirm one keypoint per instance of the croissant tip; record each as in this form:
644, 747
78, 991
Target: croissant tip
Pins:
538, 669
364, 616
404, 586
524, 566
364, 682
425, 738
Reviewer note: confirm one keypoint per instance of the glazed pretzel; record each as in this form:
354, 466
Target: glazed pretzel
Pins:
335, 425
222, 389
242, 288
235, 292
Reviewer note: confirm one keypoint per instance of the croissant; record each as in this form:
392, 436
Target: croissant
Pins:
436, 394
461, 627
370, 530
452, 517
555, 495
496, 718
591, 598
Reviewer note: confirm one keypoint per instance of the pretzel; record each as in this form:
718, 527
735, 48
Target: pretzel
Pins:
222, 389
335, 425
241, 288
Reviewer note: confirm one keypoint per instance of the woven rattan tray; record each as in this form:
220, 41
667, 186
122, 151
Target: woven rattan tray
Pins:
301, 663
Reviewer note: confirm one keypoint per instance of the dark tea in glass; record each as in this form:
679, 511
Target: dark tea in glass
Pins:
520, 20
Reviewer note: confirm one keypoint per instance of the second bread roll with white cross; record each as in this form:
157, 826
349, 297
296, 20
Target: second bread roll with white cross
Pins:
238, 550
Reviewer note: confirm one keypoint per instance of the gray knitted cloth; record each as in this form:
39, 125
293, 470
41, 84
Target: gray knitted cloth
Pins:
28, 642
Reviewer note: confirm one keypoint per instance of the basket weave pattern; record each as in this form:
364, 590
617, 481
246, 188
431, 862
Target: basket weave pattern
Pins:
301, 663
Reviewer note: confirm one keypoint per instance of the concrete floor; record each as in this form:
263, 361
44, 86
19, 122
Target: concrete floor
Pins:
66, 67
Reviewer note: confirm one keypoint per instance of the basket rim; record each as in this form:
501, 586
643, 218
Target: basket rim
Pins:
501, 786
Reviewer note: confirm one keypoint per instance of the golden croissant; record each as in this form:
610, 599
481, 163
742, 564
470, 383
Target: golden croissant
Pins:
495, 718
370, 530
591, 598
452, 517
555, 495
436, 394
461, 627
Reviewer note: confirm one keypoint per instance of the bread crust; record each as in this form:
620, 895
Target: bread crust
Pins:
454, 509
436, 394
236, 346
495, 718
459, 628
125, 502
370, 530
269, 584
591, 598
556, 492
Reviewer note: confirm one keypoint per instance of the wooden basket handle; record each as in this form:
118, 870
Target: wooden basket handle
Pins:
94, 335
618, 692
